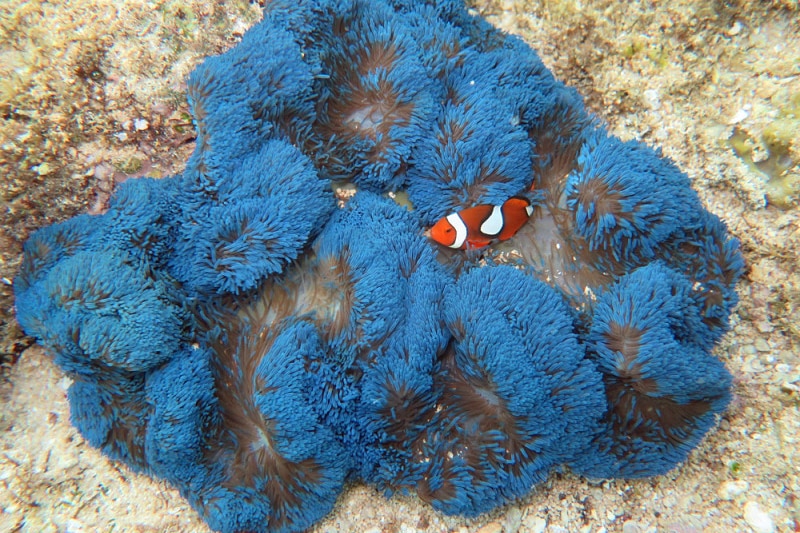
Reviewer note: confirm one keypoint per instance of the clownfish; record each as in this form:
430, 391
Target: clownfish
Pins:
479, 226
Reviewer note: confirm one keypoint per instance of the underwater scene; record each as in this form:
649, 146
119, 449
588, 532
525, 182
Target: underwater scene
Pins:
400, 266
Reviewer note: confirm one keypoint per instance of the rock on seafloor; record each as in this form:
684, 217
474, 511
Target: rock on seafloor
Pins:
758, 519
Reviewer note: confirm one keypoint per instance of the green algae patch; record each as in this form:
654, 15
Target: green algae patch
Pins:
778, 159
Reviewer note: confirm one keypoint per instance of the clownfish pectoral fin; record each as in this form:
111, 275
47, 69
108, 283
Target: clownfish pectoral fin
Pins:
477, 243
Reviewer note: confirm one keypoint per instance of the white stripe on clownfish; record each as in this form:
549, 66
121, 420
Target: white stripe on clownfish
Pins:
493, 224
457, 223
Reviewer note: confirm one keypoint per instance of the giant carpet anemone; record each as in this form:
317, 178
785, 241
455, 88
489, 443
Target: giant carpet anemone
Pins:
233, 332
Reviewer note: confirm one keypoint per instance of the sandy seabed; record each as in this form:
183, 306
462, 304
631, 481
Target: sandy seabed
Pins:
79, 114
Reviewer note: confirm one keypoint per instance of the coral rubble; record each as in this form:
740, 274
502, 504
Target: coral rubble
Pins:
231, 331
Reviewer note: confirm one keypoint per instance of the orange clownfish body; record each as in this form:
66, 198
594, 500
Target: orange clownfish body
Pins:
479, 226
